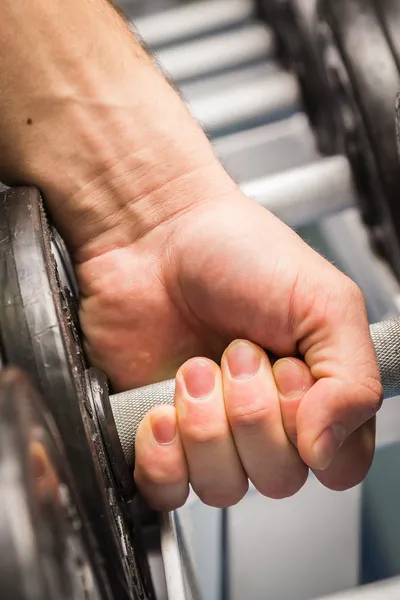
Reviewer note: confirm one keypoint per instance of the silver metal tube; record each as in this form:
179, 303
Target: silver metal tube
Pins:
221, 82
192, 21
260, 101
267, 150
306, 195
217, 53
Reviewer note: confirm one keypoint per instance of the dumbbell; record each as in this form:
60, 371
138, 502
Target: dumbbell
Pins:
40, 334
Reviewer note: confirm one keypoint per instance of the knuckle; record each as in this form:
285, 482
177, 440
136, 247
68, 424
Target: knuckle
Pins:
353, 291
206, 436
249, 417
374, 394
364, 399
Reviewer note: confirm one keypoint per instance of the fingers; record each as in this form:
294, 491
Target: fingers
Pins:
252, 406
247, 420
229, 429
353, 460
161, 471
293, 380
215, 470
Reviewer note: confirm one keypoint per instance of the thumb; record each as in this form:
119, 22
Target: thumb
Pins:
347, 392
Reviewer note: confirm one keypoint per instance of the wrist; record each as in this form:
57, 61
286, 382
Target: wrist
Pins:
136, 195
113, 181
106, 138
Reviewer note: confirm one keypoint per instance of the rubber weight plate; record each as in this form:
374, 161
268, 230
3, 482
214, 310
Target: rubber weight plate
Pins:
295, 24
39, 334
364, 81
47, 552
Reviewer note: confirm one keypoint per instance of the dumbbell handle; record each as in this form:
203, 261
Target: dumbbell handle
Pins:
129, 408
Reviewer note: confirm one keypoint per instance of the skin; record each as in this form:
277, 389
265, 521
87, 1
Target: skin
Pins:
179, 273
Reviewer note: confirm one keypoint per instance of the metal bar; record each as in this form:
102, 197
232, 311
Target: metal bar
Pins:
268, 149
254, 103
227, 50
192, 21
171, 555
306, 195
220, 82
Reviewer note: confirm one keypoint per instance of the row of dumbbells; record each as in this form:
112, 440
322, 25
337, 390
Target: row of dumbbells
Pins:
304, 85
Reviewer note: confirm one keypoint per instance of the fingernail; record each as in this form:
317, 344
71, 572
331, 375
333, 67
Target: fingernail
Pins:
163, 428
199, 377
243, 360
289, 378
327, 445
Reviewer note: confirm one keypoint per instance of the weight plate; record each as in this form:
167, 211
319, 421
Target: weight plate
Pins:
39, 334
295, 23
46, 550
364, 79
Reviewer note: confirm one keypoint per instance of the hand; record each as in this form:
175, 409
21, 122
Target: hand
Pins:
222, 270
173, 263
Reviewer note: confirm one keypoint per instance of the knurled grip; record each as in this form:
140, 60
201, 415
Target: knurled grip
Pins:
129, 408
386, 339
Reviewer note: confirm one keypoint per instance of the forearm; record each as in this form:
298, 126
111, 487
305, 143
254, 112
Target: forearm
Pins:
86, 116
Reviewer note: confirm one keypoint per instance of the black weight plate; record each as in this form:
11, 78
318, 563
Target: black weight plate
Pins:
295, 23
46, 551
389, 13
38, 334
375, 80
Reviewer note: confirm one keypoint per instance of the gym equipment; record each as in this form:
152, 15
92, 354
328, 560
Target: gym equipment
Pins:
192, 21
268, 149
257, 102
39, 334
39, 312
40, 330
294, 23
364, 79
222, 52
47, 550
